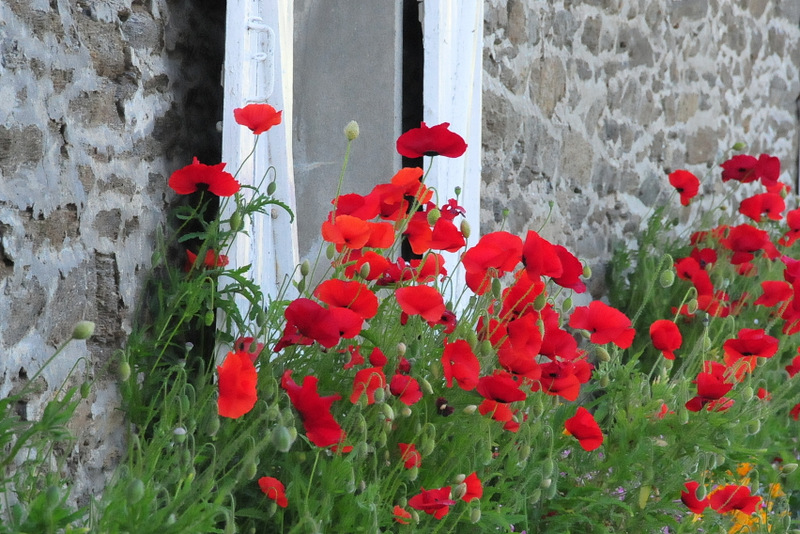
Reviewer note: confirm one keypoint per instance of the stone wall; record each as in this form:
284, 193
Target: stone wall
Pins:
101, 101
590, 103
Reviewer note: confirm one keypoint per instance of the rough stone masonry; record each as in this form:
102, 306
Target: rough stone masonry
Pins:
586, 103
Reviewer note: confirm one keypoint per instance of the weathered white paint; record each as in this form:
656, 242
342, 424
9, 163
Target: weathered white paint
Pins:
258, 69
453, 48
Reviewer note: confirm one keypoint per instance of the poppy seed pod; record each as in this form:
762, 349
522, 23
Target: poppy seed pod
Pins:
351, 131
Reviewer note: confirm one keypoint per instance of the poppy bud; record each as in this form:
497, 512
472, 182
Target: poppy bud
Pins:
135, 491
684, 416
209, 318
551, 491
301, 285
364, 271
271, 188
351, 131
401, 349
789, 468
272, 507
236, 221
666, 279
475, 515
602, 354
747, 393
281, 438
433, 216
536, 495
305, 268
644, 495
486, 348
380, 395
250, 470
497, 288
753, 427
427, 446
413, 473
691, 306
213, 426
466, 231
83, 330
179, 434
537, 408
540, 302
415, 516
459, 478
472, 339
85, 388
459, 491
524, 452
587, 271
548, 467
566, 305
546, 482
330, 251
469, 409
426, 386
738, 146
381, 441
388, 413
405, 411
604, 381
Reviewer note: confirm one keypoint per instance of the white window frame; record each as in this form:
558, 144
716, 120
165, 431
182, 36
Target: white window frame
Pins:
453, 50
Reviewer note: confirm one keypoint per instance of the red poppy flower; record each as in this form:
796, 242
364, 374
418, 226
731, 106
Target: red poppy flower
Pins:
351, 295
434, 141
794, 367
401, 515
346, 231
557, 342
366, 382
770, 204
307, 321
606, 324
571, 271
704, 256
744, 240
435, 502
711, 386
409, 455
686, 183
740, 168
248, 345
768, 170
585, 429
258, 117
540, 257
377, 265
564, 378
500, 386
461, 364
356, 358
474, 487
274, 489
500, 411
763, 394
689, 498
793, 233
421, 300
364, 207
405, 388
795, 411
237, 385
198, 176
732, 497
315, 411
495, 254
774, 292
742, 352
446, 236
666, 337
211, 261
517, 352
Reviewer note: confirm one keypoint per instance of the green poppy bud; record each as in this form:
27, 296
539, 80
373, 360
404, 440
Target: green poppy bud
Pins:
602, 354
666, 279
497, 288
85, 388
457, 190
486, 348
271, 188
124, 371
691, 306
548, 467
380, 396
566, 305
209, 318
388, 413
250, 470
426, 386
587, 271
401, 349
540, 302
330, 251
381, 441
427, 446
605, 381
475, 515
413, 473
351, 131
466, 230
536, 496
236, 221
472, 339
701, 492
363, 272
135, 491
405, 411
179, 434
738, 146
747, 393
546, 482
301, 285
459, 491
753, 427
469, 409
281, 438
83, 330
305, 268
52, 497
537, 408
788, 468
213, 426
415, 516
433, 216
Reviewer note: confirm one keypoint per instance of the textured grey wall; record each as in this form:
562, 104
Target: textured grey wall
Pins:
589, 103
99, 102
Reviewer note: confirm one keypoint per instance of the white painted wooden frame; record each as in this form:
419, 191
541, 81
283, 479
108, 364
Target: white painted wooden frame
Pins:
453, 50
258, 69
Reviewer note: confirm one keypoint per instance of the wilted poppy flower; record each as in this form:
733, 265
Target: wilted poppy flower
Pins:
274, 489
461, 364
666, 337
435, 502
585, 429
321, 428
199, 176
689, 498
606, 324
434, 141
401, 515
258, 117
727, 498
771, 204
366, 382
409, 455
474, 487
237, 385
686, 183
421, 300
